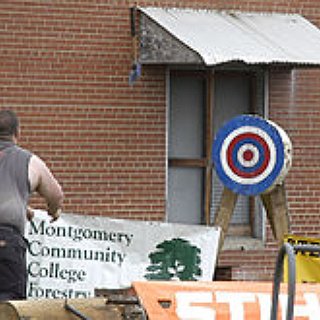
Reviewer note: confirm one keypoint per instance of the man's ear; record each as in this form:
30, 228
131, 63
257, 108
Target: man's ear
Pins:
17, 134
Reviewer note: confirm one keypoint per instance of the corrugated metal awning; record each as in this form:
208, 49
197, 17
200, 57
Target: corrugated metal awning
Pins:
217, 37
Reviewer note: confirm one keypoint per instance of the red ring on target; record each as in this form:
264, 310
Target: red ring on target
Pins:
263, 144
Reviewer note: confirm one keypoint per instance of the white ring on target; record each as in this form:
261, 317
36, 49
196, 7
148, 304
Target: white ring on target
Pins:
224, 161
255, 155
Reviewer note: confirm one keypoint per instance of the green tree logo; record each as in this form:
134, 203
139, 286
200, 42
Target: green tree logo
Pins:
176, 259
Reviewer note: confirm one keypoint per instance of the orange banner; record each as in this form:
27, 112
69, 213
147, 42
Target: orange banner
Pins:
223, 300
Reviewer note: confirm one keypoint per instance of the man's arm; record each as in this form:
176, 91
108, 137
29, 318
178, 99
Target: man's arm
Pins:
42, 181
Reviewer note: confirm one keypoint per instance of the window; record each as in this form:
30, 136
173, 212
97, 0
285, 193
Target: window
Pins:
199, 103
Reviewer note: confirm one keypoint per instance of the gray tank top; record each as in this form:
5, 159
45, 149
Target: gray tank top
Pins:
14, 184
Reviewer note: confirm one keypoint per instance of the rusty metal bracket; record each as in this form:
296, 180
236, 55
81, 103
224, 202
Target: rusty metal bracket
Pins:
126, 301
130, 305
71, 309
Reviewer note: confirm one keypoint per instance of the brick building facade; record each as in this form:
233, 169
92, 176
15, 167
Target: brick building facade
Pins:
64, 70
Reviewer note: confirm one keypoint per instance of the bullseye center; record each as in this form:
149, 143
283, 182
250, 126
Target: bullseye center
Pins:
248, 155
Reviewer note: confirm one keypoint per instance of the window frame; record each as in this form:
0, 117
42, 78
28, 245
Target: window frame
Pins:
205, 162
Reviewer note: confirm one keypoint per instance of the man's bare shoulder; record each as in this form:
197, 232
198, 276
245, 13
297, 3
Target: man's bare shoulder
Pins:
39, 173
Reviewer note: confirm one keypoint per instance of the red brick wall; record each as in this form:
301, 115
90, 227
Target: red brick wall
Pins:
295, 105
64, 68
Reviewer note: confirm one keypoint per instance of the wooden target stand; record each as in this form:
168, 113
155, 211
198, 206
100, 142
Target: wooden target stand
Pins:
252, 156
274, 203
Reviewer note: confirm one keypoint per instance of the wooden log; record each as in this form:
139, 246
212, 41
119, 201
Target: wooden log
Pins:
54, 309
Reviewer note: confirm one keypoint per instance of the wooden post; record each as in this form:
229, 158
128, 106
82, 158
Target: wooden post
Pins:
275, 204
224, 212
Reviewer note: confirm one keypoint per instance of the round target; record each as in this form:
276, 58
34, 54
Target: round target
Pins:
249, 154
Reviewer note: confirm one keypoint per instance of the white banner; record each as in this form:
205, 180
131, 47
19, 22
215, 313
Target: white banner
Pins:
73, 256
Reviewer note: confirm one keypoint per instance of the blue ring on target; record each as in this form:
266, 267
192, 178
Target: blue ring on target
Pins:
248, 154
